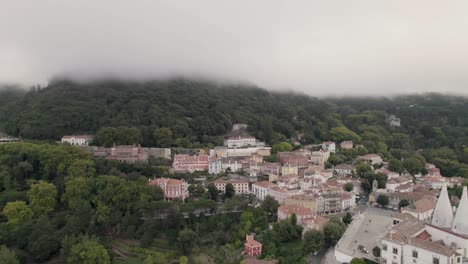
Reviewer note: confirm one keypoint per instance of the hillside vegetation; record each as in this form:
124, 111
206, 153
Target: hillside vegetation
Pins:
184, 113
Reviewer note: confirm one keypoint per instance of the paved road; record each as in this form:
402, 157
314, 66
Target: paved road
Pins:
325, 257
365, 230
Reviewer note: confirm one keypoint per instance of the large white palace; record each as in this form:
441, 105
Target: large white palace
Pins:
442, 240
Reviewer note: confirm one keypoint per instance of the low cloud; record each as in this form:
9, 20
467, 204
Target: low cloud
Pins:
316, 47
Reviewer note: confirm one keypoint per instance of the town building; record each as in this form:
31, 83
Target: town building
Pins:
394, 184
239, 127
390, 174
372, 158
260, 189
287, 169
188, 163
319, 157
344, 169
159, 153
443, 240
329, 146
240, 184
393, 121
241, 141
346, 145
315, 222
280, 194
78, 140
421, 209
307, 201
433, 182
333, 202
296, 159
268, 168
252, 247
214, 165
285, 211
7, 139
172, 188
128, 154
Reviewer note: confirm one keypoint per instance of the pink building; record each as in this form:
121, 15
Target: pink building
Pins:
128, 153
187, 163
294, 159
240, 184
270, 168
172, 188
252, 247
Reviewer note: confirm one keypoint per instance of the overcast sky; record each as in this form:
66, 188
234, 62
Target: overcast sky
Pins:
317, 47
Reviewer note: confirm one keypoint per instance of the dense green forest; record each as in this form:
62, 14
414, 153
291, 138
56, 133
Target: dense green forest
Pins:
184, 113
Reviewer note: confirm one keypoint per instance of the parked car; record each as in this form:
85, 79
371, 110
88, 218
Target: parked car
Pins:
363, 249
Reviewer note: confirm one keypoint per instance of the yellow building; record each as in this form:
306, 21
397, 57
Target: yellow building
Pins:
289, 170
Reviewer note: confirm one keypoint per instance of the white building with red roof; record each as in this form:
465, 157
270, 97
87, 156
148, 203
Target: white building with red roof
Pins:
78, 140
260, 189
241, 141
393, 184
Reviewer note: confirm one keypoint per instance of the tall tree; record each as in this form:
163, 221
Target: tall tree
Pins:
163, 137
88, 252
313, 241
229, 192
7, 256
186, 239
42, 198
17, 212
270, 207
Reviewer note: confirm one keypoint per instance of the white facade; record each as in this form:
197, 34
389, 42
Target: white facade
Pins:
319, 157
329, 146
214, 166
232, 166
414, 252
239, 142
260, 189
78, 140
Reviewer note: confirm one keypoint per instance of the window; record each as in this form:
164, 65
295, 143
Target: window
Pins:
384, 247
435, 260
415, 254
395, 251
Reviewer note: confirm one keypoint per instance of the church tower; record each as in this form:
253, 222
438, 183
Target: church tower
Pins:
375, 186
443, 214
460, 223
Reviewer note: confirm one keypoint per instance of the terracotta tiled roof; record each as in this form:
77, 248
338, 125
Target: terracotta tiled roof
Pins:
294, 209
432, 246
264, 184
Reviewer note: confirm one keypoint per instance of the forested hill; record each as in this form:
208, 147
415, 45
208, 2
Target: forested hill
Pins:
195, 113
